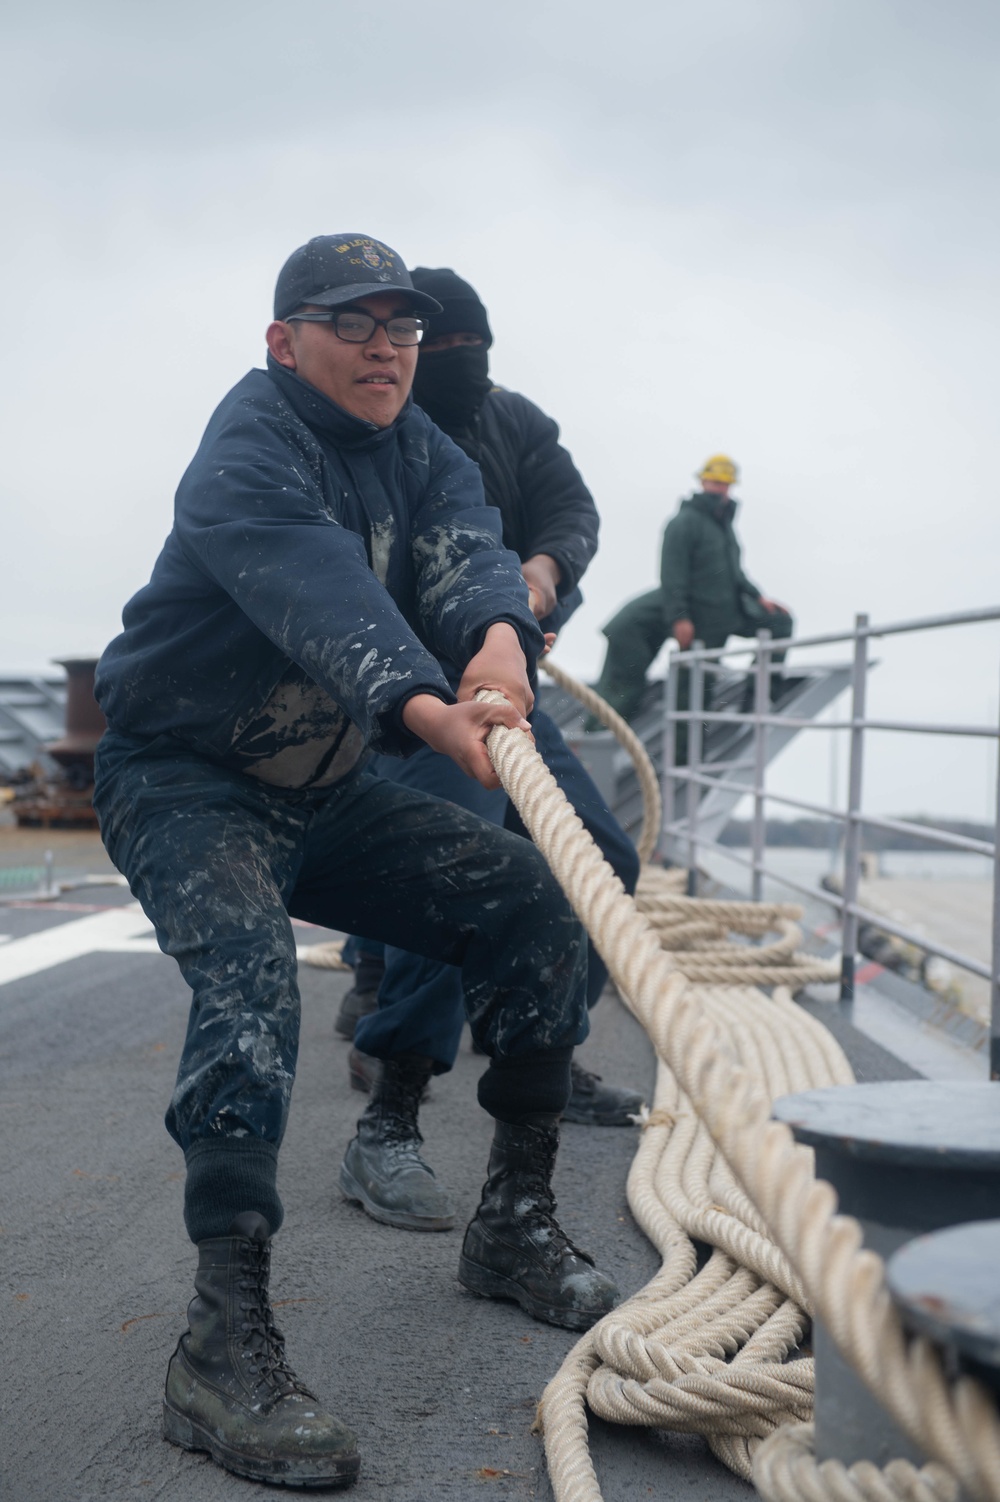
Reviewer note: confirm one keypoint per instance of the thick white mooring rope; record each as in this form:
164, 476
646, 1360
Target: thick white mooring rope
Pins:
626, 736
326, 956
706, 1351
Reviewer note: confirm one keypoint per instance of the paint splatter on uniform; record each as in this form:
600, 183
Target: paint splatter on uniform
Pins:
317, 568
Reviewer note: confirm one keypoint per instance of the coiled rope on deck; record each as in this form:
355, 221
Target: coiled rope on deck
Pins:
776, 1221
326, 956
686, 923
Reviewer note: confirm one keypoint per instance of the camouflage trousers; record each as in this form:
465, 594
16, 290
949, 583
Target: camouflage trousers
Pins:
221, 862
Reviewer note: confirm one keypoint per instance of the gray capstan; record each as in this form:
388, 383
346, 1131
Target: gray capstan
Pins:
906, 1157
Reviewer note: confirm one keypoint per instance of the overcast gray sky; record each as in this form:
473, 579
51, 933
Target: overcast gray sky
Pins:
759, 226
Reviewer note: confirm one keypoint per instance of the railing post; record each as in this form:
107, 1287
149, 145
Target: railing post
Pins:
994, 983
761, 705
668, 780
835, 834
697, 706
852, 839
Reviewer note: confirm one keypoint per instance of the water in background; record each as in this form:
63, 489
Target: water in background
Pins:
810, 866
942, 896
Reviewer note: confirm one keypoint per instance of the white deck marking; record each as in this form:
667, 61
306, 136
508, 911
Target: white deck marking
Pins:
119, 930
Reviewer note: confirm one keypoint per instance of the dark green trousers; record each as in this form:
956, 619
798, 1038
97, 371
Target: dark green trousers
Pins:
637, 633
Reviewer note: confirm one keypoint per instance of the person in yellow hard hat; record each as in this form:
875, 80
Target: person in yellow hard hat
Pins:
704, 595
720, 469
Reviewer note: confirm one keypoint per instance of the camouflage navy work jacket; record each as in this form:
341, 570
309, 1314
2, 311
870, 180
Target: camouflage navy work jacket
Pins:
317, 568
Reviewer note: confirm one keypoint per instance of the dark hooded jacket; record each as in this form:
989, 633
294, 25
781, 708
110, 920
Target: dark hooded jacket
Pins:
527, 474
701, 575
536, 487
534, 484
317, 568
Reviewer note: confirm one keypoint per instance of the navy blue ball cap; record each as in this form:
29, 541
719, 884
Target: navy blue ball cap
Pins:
333, 269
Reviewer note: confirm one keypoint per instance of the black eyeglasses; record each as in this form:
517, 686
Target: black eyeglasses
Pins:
358, 328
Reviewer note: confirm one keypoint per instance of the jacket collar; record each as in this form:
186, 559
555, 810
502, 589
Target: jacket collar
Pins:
718, 508
325, 418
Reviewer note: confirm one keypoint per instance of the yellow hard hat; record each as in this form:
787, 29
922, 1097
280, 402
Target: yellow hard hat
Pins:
720, 467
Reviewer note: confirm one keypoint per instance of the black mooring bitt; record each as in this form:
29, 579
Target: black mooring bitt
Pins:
906, 1157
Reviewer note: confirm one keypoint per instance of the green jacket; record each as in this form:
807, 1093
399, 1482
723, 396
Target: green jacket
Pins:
701, 577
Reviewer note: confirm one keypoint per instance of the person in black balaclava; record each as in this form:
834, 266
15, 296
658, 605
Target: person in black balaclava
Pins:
455, 382
401, 1004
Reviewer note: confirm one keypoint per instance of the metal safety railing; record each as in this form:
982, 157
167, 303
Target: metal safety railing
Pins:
681, 836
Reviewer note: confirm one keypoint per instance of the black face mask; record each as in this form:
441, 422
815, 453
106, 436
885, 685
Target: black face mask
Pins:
451, 385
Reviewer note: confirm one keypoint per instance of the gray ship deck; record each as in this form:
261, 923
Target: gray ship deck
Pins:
441, 1386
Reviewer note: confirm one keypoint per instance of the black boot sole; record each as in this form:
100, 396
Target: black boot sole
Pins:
580, 1116
339, 1471
400, 1219
491, 1285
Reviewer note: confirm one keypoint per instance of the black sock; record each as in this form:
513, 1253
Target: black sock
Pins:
528, 1085
225, 1177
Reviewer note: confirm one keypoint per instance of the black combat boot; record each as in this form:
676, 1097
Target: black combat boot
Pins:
382, 1168
592, 1103
515, 1249
355, 1005
362, 999
364, 1072
230, 1390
